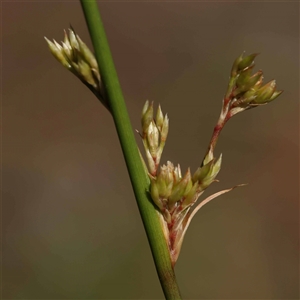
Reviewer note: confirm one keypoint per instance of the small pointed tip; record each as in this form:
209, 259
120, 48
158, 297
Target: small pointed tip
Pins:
51, 44
271, 83
79, 39
71, 27
188, 172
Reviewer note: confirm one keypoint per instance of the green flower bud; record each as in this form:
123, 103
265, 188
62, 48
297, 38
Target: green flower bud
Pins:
245, 99
68, 52
87, 54
154, 191
152, 136
265, 92
191, 196
167, 171
177, 174
211, 174
244, 76
165, 180
73, 41
151, 162
180, 189
275, 95
253, 80
188, 187
165, 129
147, 117
67, 46
259, 82
247, 61
234, 70
209, 156
145, 107
86, 73
159, 118
217, 166
246, 82
202, 172
162, 187
251, 94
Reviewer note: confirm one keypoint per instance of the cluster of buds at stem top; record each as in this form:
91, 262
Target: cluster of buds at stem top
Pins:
74, 55
174, 194
246, 90
154, 135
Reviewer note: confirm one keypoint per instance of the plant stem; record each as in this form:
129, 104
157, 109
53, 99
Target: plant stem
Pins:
137, 173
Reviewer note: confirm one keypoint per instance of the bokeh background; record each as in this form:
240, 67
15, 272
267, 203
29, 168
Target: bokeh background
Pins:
71, 227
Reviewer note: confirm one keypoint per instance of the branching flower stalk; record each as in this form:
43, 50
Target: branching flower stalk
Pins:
173, 195
245, 91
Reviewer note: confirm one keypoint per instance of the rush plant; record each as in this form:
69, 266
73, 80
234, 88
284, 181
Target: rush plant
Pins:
167, 200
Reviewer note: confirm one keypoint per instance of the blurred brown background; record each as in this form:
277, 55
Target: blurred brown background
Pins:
71, 228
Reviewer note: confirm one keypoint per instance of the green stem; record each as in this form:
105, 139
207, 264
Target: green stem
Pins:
138, 176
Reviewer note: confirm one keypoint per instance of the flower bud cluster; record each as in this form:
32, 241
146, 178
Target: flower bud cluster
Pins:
246, 89
172, 193
74, 55
154, 135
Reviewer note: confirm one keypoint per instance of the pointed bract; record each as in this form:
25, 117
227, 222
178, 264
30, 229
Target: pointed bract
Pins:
235, 69
275, 95
87, 54
202, 172
191, 196
165, 128
180, 189
247, 61
265, 92
147, 117
152, 138
57, 53
159, 118
86, 73
73, 40
155, 194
